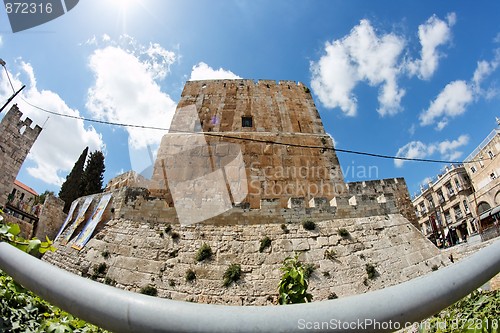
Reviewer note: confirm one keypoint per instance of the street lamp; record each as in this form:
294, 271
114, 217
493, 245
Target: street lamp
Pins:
2, 62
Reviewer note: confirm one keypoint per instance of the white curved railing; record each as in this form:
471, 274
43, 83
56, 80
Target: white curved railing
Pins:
383, 310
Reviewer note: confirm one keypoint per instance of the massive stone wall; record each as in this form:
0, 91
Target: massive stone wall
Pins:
51, 218
142, 244
16, 140
395, 186
285, 151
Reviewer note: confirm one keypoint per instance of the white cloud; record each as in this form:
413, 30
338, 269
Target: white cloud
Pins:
360, 56
451, 102
483, 70
413, 149
202, 71
62, 139
125, 90
432, 34
448, 150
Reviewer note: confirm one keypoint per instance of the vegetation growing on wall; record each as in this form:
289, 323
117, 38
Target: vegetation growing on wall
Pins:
293, 284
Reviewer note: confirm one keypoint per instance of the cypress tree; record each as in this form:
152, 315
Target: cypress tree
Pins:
70, 189
94, 174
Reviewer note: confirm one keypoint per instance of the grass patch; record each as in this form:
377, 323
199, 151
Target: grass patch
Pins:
204, 252
190, 275
309, 225
264, 243
232, 274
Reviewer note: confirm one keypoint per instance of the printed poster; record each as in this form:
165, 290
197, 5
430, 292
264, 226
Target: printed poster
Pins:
68, 218
79, 219
92, 223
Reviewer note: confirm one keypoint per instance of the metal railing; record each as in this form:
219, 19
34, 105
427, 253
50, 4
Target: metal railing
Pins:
382, 310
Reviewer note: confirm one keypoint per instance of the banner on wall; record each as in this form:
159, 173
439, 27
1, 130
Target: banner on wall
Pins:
84, 235
68, 218
79, 219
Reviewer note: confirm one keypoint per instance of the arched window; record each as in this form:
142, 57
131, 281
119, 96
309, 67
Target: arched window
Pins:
483, 207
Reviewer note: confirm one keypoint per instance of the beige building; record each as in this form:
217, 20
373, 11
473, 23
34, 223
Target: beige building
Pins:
483, 167
443, 208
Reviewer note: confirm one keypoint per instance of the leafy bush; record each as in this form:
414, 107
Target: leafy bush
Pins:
309, 225
149, 290
10, 233
264, 243
174, 235
23, 311
477, 312
168, 228
293, 284
343, 232
190, 275
284, 228
308, 270
330, 254
204, 252
232, 274
434, 268
370, 270
105, 254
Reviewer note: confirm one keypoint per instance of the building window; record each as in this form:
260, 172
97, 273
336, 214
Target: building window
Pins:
458, 212
481, 161
466, 207
457, 185
490, 154
493, 176
449, 187
473, 169
246, 121
440, 196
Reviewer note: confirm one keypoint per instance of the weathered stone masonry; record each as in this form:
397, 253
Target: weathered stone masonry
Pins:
141, 243
15, 144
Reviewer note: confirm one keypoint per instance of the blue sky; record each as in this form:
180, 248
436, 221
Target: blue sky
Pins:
407, 78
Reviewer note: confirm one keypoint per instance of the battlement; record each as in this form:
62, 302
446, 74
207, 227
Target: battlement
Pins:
12, 120
17, 138
241, 83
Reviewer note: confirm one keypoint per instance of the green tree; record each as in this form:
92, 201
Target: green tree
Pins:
41, 198
293, 284
93, 174
70, 189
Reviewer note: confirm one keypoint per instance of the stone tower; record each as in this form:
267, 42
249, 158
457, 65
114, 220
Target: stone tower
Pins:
276, 127
17, 137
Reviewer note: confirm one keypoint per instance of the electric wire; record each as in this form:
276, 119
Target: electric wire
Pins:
347, 151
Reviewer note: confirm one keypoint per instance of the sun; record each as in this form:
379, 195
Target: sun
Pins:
123, 5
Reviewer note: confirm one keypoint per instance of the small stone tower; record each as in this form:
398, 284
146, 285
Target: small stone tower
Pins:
16, 139
275, 126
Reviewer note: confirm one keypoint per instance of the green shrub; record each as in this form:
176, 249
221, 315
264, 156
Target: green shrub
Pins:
190, 275
309, 225
293, 284
434, 268
232, 274
284, 228
332, 296
330, 254
264, 243
174, 235
105, 254
149, 290
343, 232
204, 252
370, 270
308, 270
171, 283
22, 311
168, 228
477, 312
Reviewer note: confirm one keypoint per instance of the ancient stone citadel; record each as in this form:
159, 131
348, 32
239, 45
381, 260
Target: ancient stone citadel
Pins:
264, 140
